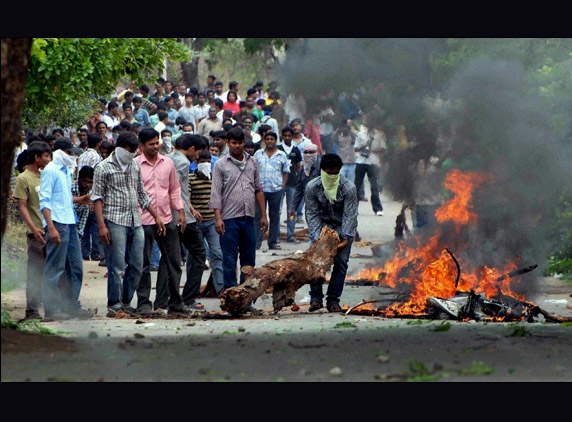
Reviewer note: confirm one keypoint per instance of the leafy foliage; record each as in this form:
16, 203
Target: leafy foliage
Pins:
66, 73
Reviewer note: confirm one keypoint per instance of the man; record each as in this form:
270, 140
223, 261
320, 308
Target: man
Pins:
111, 117
86, 216
161, 183
211, 79
331, 200
274, 166
236, 191
38, 155
171, 112
140, 113
295, 159
91, 156
187, 111
63, 251
201, 109
210, 124
117, 194
370, 145
219, 139
200, 186
187, 148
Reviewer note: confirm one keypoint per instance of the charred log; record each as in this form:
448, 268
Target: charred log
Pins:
283, 276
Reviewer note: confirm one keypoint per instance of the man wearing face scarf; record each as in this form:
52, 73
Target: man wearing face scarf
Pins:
310, 170
117, 194
331, 200
63, 250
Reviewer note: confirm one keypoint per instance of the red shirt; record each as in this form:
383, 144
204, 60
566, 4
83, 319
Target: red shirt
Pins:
235, 107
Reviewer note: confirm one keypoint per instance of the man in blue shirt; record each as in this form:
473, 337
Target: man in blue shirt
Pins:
63, 250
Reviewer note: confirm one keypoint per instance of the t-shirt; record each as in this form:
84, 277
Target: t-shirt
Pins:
28, 188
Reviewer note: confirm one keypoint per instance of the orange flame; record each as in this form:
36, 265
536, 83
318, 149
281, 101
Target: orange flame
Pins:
430, 269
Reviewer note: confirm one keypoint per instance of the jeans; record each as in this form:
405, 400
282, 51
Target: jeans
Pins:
155, 255
272, 201
238, 241
194, 242
374, 176
63, 258
349, 171
212, 239
126, 248
337, 278
90, 243
34, 274
290, 224
169, 275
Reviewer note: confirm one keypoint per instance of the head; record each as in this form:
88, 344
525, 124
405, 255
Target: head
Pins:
214, 149
233, 86
259, 85
127, 110
235, 142
50, 139
190, 145
144, 90
149, 139
262, 129
219, 87
188, 128
137, 101
270, 139
128, 141
211, 79
210, 95
249, 147
112, 108
101, 128
168, 85
58, 132
247, 122
331, 163
85, 179
201, 98
65, 144
82, 136
94, 140
105, 149
231, 96
163, 116
219, 138
39, 154
296, 126
129, 95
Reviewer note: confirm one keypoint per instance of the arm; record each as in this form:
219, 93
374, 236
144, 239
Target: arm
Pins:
38, 233
262, 207
54, 233
103, 232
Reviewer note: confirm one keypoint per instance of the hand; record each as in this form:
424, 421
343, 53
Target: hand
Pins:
219, 226
264, 224
104, 235
39, 236
161, 227
292, 215
55, 235
84, 199
341, 246
182, 221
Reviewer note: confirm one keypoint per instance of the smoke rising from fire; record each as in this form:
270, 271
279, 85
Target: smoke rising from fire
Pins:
486, 118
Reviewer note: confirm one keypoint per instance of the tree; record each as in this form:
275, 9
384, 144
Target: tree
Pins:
66, 74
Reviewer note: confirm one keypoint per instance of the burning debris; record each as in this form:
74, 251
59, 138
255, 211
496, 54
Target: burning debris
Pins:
423, 276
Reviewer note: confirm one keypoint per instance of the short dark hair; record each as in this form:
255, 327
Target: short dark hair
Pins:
330, 161
93, 139
128, 139
147, 133
236, 133
270, 133
287, 129
204, 155
85, 171
37, 148
184, 142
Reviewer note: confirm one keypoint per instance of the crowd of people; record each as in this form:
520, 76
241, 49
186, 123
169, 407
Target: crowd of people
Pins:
193, 177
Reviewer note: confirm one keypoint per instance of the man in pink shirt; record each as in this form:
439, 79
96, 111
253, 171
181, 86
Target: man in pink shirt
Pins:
162, 186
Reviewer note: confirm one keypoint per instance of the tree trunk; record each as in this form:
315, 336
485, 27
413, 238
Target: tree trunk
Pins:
15, 63
283, 276
190, 69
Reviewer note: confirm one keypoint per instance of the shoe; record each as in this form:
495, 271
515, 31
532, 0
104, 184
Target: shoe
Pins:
277, 247
79, 313
380, 213
32, 315
95, 258
334, 307
315, 305
102, 263
196, 306
160, 311
295, 241
57, 316
85, 258
300, 221
253, 310
363, 200
144, 310
179, 309
112, 311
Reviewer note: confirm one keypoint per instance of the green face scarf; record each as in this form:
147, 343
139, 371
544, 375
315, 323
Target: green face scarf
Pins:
330, 183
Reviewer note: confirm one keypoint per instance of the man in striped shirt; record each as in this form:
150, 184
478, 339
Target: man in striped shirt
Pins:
117, 194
